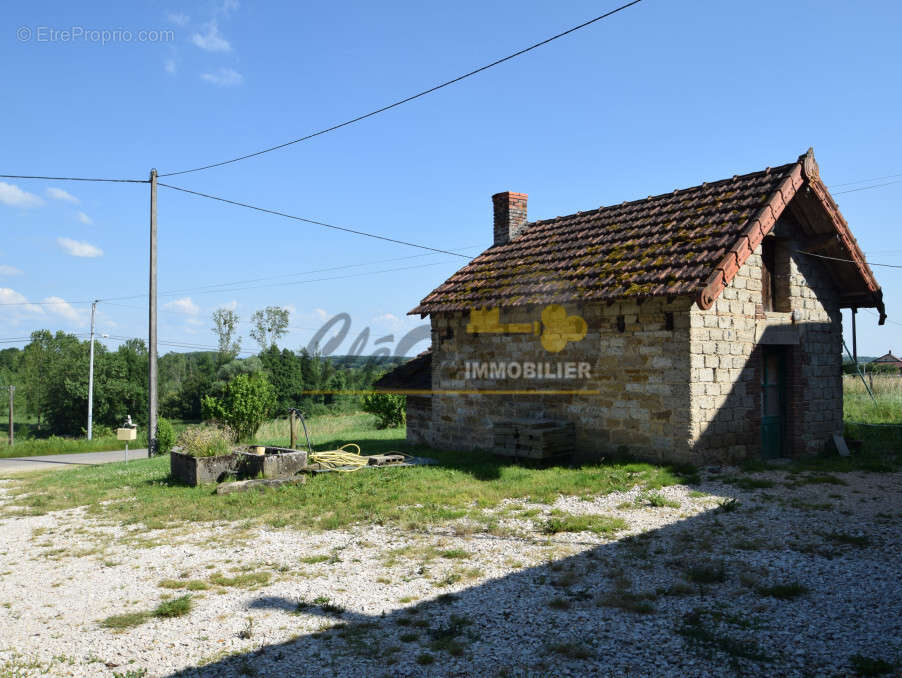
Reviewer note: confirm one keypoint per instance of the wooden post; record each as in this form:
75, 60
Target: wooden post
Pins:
12, 395
152, 324
292, 421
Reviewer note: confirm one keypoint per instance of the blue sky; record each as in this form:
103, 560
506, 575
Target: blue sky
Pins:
663, 95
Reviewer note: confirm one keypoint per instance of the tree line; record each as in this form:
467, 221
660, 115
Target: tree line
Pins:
51, 376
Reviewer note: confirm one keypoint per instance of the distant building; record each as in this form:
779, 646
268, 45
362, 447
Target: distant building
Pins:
888, 359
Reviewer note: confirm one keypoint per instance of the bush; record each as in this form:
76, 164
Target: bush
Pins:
243, 407
391, 409
165, 436
206, 441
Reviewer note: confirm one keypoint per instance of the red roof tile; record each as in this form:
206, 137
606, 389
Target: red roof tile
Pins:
688, 242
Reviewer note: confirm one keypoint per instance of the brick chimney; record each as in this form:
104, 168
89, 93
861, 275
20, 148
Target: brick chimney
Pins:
510, 215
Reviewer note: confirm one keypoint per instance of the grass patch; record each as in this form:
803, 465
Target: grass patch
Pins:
189, 584
242, 581
637, 603
571, 650
142, 492
656, 500
869, 666
707, 573
125, 621
605, 525
859, 540
704, 631
177, 607
455, 554
788, 591
745, 483
313, 560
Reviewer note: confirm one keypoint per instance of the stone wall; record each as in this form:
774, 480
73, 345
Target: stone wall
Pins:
634, 399
726, 346
419, 419
684, 388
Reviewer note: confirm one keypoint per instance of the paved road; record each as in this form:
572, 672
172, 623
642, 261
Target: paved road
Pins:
61, 461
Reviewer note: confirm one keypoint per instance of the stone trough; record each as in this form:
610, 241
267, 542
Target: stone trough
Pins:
275, 462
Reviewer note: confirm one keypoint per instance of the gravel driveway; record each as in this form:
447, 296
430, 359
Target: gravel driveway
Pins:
799, 576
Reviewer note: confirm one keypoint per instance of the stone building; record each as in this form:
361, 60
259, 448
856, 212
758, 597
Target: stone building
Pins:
701, 325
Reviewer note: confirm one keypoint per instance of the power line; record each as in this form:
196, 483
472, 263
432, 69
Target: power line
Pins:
864, 181
230, 286
407, 99
119, 181
866, 188
850, 261
313, 221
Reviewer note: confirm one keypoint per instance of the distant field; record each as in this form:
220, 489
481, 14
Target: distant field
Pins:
858, 406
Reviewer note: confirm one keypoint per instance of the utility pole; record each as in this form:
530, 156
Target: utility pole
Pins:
152, 324
12, 396
91, 372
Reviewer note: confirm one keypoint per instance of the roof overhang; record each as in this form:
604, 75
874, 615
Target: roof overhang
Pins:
826, 232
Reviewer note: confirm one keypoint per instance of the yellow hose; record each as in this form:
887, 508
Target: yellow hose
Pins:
339, 460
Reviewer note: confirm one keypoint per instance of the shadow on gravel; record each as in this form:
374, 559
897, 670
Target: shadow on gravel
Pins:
710, 595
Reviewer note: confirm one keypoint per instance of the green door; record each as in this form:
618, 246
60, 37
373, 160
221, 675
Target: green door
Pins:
773, 407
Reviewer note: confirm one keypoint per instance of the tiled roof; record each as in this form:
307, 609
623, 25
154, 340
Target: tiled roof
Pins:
688, 242
415, 374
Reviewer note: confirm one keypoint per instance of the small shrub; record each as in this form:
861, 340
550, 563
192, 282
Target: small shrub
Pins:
389, 408
206, 441
165, 436
425, 659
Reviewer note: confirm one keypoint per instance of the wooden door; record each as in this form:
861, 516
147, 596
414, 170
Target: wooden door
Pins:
773, 401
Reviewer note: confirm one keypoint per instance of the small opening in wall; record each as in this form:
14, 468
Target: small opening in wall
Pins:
621, 323
668, 320
775, 272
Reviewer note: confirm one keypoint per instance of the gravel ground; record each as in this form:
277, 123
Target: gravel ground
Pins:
794, 578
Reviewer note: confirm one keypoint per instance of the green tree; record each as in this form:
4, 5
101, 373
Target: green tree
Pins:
225, 325
269, 325
243, 407
389, 408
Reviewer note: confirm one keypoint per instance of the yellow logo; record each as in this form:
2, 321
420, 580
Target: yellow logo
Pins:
556, 328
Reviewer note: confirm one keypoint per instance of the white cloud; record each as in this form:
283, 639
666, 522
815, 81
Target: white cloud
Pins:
170, 66
183, 305
321, 313
212, 40
84, 218
63, 308
79, 249
9, 270
224, 77
178, 19
231, 306
16, 197
60, 194
228, 6
10, 296
195, 321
